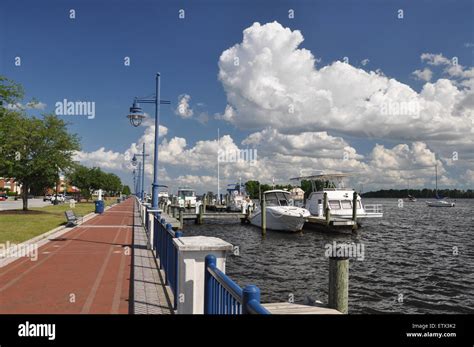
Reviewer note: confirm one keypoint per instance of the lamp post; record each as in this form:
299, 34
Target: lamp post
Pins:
134, 182
136, 117
134, 163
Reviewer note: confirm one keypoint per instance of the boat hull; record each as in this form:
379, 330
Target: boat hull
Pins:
280, 219
440, 204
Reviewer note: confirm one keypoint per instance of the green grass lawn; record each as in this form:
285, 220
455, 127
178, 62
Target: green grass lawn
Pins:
17, 226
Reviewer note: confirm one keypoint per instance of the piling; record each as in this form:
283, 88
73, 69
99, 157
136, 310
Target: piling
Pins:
354, 211
181, 218
173, 209
327, 212
204, 201
339, 283
200, 216
263, 216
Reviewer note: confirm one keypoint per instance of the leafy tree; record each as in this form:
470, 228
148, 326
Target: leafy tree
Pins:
34, 150
126, 190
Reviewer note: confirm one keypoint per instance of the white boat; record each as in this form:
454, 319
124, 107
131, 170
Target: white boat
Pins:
280, 215
439, 202
339, 199
411, 198
239, 200
186, 197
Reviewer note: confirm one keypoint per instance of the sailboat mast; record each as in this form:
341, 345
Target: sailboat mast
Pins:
436, 171
218, 173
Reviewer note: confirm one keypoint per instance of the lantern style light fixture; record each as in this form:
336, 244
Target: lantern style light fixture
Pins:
136, 114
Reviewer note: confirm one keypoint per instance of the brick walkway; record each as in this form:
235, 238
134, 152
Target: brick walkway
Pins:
86, 270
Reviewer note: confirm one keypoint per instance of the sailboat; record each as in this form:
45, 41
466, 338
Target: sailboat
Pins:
439, 202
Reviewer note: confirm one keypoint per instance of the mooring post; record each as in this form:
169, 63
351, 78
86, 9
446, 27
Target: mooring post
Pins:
326, 210
204, 201
263, 216
174, 211
339, 283
354, 211
181, 218
201, 214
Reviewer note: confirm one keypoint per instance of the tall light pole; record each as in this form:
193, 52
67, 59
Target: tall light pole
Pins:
136, 116
134, 182
134, 163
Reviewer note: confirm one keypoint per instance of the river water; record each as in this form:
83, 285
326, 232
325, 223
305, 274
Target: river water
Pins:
417, 259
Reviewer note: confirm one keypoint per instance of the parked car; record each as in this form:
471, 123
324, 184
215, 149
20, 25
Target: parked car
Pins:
3, 197
47, 197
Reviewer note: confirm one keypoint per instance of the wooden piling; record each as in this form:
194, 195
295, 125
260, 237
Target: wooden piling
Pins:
263, 216
327, 212
354, 211
173, 211
181, 218
204, 201
200, 215
339, 284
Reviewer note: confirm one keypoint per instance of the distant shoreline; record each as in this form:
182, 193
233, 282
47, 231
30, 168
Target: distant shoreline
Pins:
420, 193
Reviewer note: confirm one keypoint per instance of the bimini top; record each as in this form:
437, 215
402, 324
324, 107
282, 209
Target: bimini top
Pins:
321, 177
185, 188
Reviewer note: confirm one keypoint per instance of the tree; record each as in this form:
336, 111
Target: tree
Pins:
34, 150
80, 176
126, 190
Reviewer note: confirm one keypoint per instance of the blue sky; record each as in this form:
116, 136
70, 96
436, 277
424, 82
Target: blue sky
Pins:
82, 59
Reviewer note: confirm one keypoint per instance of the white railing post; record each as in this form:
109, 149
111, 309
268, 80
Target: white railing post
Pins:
192, 252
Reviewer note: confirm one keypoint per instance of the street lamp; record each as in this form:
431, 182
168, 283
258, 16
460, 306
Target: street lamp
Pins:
134, 181
134, 163
136, 116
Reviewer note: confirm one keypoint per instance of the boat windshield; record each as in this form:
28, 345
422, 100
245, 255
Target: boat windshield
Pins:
277, 199
185, 193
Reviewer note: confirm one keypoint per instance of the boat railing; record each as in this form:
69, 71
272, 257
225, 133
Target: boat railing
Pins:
373, 208
224, 296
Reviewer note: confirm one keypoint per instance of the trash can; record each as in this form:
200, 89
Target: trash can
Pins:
99, 206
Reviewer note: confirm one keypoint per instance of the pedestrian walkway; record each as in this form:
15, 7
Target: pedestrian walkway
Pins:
86, 270
151, 296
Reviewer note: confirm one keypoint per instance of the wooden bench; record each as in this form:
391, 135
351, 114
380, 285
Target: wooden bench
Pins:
72, 219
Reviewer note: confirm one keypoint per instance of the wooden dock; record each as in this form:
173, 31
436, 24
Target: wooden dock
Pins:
289, 308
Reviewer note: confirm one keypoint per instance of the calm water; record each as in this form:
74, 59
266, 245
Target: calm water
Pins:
408, 252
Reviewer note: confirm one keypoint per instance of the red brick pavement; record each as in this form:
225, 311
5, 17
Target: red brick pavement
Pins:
86, 270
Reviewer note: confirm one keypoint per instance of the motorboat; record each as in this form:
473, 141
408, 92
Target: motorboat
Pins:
411, 198
239, 200
186, 197
329, 188
280, 214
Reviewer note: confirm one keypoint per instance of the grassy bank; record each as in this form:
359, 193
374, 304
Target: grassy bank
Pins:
17, 226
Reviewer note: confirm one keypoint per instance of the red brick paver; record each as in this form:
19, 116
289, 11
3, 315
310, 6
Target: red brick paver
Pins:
86, 270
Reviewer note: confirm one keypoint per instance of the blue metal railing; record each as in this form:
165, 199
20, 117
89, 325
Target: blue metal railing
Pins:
166, 252
224, 296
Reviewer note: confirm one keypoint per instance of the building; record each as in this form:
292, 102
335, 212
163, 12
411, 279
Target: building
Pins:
9, 184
